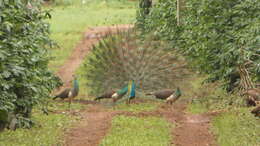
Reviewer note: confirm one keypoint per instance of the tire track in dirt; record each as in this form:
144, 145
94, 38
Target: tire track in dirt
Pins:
93, 127
191, 129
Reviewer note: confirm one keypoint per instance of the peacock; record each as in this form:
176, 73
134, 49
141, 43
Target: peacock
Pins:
113, 94
131, 89
124, 56
70, 93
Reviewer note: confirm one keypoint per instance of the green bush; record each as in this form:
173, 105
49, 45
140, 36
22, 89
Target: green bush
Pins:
215, 36
222, 35
24, 76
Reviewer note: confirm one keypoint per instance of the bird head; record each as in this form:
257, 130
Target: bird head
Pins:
75, 77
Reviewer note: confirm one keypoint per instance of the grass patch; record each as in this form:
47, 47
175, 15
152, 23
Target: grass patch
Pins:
133, 131
68, 23
237, 128
197, 108
48, 131
63, 106
140, 107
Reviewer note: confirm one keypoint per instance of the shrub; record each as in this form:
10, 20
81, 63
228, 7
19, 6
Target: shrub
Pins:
217, 37
24, 76
223, 35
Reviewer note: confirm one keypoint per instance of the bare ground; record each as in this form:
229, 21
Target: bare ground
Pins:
191, 130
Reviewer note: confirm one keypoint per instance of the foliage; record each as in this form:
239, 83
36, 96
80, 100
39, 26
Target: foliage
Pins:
24, 76
221, 35
129, 131
143, 11
162, 22
216, 36
236, 128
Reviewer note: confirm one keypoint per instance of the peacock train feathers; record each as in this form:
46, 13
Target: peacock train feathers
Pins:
123, 57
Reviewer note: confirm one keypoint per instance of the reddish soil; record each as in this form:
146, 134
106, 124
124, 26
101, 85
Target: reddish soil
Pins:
91, 129
190, 130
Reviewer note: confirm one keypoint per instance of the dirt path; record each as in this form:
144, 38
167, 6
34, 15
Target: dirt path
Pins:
91, 129
191, 130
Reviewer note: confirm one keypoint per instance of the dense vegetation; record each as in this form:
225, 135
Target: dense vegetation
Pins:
218, 37
24, 76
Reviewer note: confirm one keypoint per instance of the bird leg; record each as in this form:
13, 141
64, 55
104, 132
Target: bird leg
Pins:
70, 99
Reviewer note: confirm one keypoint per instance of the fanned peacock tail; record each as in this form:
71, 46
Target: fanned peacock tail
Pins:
116, 59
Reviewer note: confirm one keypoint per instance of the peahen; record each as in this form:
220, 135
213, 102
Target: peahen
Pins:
253, 96
113, 94
175, 96
167, 94
108, 94
69, 93
124, 56
162, 94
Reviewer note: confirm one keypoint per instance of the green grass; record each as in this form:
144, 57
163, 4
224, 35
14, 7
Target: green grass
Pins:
64, 106
135, 108
48, 131
197, 108
133, 131
68, 23
237, 128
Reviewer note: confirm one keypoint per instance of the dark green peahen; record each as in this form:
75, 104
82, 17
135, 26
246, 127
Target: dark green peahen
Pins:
69, 93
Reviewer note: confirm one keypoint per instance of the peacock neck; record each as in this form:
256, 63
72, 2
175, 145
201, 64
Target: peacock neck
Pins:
178, 91
76, 85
